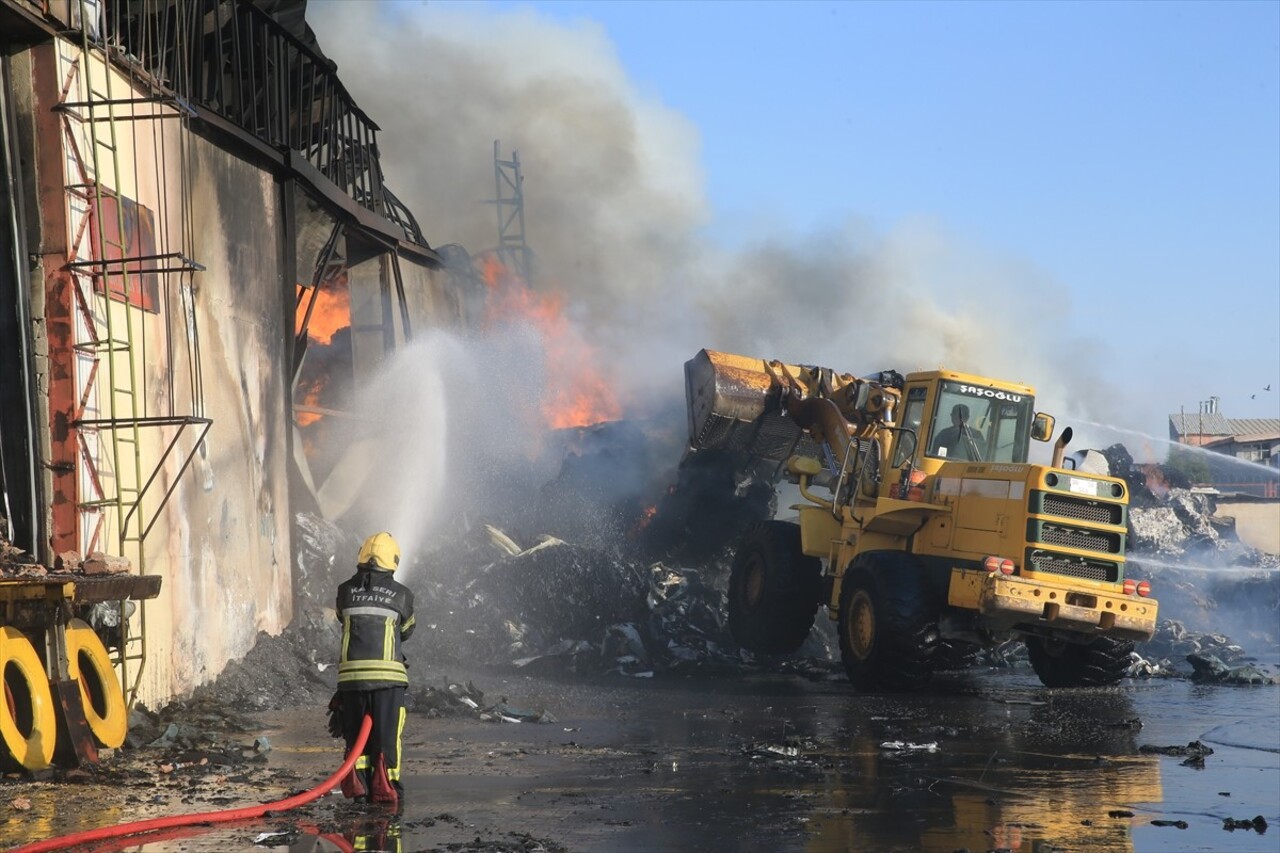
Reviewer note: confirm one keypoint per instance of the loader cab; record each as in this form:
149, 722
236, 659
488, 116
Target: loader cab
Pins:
960, 418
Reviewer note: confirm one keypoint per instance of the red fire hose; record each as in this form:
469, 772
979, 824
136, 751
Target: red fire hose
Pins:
247, 812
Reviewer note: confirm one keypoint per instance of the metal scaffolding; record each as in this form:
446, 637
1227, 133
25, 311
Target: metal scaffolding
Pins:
134, 307
513, 249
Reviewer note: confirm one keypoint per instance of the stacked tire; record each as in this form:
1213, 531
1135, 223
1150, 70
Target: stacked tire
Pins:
28, 714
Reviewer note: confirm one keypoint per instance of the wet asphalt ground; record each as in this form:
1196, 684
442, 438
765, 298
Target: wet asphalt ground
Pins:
983, 761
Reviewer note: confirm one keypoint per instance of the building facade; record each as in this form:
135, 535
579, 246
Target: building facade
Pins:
1245, 454
187, 190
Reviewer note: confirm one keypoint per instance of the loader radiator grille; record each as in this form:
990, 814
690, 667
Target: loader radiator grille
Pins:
1098, 513
1085, 540
1073, 567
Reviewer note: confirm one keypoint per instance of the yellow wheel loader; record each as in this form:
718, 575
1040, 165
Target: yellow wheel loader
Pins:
923, 522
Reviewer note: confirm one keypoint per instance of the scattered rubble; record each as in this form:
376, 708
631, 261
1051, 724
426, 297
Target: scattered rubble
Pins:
485, 598
1195, 753
1210, 668
1208, 657
907, 746
457, 699
17, 563
1258, 824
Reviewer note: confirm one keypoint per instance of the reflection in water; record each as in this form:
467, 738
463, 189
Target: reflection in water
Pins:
360, 832
1008, 785
777, 763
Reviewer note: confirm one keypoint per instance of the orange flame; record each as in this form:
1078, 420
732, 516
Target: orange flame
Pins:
578, 393
1155, 480
330, 313
646, 516
332, 310
311, 397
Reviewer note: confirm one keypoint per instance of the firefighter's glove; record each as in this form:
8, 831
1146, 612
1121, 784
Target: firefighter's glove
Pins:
335, 715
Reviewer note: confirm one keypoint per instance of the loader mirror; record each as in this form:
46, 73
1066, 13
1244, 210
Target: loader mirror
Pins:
1042, 427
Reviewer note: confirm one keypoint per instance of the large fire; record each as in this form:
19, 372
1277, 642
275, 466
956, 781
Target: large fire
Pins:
332, 310
330, 313
578, 393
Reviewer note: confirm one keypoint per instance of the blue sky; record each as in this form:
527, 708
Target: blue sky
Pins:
1083, 196
1130, 151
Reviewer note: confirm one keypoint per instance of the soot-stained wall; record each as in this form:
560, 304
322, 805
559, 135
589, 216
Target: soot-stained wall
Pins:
221, 540
226, 549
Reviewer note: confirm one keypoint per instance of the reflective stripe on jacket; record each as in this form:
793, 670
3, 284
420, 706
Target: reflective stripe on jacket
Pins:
377, 616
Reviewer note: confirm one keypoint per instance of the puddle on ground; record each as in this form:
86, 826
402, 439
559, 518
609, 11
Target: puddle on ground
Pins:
989, 761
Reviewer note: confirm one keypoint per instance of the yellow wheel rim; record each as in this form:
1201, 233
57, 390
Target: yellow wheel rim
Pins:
861, 627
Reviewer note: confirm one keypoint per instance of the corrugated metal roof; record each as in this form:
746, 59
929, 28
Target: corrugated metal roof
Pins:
1254, 426
1200, 424
1216, 423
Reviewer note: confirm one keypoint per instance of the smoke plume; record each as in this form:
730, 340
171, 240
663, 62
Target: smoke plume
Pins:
614, 206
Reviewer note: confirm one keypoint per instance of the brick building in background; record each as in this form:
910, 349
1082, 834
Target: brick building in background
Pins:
1253, 441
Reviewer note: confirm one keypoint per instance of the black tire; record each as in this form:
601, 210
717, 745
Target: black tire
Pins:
1061, 664
774, 590
888, 629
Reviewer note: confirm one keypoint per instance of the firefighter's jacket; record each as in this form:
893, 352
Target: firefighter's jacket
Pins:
377, 615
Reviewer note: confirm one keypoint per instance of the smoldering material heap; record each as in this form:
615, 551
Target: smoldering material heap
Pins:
1218, 597
569, 606
627, 590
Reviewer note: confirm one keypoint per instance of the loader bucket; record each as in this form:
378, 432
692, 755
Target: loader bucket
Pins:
734, 406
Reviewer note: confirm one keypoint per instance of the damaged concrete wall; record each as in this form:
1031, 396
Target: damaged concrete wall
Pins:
221, 543
222, 526
224, 546
1257, 522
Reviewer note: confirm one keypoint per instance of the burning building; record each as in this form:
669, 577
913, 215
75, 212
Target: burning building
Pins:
199, 258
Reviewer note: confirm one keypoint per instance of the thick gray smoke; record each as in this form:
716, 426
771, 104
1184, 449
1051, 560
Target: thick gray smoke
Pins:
449, 423
614, 205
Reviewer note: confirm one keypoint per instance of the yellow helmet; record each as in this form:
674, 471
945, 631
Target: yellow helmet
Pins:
380, 551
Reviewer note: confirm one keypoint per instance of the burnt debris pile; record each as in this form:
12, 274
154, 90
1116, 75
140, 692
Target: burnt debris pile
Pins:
1219, 598
610, 563
554, 604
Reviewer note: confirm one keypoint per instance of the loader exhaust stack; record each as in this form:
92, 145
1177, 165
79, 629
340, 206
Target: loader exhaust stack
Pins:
1060, 447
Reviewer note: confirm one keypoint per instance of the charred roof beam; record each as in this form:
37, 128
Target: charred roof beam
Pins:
233, 59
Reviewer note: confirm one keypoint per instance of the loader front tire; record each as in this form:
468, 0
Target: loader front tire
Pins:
1101, 663
774, 590
888, 628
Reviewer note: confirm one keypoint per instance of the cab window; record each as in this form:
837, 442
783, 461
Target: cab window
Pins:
976, 424
912, 414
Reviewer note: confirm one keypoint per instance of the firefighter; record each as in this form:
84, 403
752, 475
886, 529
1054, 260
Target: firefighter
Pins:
377, 616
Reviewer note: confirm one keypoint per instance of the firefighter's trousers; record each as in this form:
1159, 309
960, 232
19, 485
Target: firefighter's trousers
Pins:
386, 706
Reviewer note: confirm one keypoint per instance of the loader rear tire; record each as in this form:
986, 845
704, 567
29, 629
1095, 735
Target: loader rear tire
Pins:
888, 627
774, 590
1101, 663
